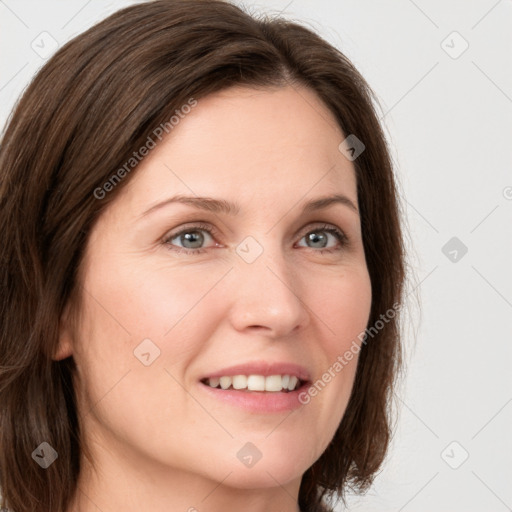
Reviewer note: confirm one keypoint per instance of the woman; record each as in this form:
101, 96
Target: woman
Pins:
202, 270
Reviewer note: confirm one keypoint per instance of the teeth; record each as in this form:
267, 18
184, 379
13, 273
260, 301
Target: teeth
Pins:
292, 383
256, 383
239, 382
272, 383
225, 382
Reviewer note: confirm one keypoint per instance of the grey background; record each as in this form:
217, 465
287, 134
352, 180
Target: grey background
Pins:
448, 115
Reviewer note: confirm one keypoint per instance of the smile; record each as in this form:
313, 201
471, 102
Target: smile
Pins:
270, 383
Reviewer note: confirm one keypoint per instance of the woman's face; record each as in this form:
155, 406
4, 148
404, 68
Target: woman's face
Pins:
272, 290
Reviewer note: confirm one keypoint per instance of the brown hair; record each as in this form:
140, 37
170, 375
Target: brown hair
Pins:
85, 112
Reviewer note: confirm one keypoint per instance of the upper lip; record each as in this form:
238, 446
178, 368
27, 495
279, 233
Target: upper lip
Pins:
262, 368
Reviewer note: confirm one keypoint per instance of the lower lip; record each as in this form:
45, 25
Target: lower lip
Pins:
258, 401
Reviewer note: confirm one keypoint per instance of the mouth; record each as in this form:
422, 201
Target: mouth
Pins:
258, 387
258, 383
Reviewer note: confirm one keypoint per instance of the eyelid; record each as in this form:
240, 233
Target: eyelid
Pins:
320, 226
191, 226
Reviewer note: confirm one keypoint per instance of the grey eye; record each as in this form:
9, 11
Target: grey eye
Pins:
318, 239
190, 239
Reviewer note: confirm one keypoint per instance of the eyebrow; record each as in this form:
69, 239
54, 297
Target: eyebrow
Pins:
222, 206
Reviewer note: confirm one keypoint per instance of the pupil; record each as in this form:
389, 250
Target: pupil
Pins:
315, 238
193, 237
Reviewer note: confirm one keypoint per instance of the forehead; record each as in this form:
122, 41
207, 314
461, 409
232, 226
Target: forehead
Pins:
248, 144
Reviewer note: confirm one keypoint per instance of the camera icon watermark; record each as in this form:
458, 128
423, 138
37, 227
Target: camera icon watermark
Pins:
249, 249
455, 455
454, 45
351, 147
249, 455
45, 455
44, 45
146, 352
454, 249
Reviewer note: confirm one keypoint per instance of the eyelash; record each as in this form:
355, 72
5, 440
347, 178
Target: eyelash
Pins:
340, 235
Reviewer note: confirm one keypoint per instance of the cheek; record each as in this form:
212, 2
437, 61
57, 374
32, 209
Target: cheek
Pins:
343, 310
121, 309
126, 305
344, 306
140, 301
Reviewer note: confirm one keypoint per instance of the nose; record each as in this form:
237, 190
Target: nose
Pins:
268, 297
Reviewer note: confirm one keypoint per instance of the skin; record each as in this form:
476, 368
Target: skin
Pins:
156, 439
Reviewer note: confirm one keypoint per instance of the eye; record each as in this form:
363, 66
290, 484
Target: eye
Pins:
319, 238
191, 239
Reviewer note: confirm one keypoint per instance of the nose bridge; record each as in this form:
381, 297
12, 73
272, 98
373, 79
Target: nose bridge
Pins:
267, 288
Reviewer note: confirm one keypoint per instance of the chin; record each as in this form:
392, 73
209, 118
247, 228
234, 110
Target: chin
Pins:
279, 464
265, 474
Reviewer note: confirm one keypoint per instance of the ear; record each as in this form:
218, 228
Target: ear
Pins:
65, 344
